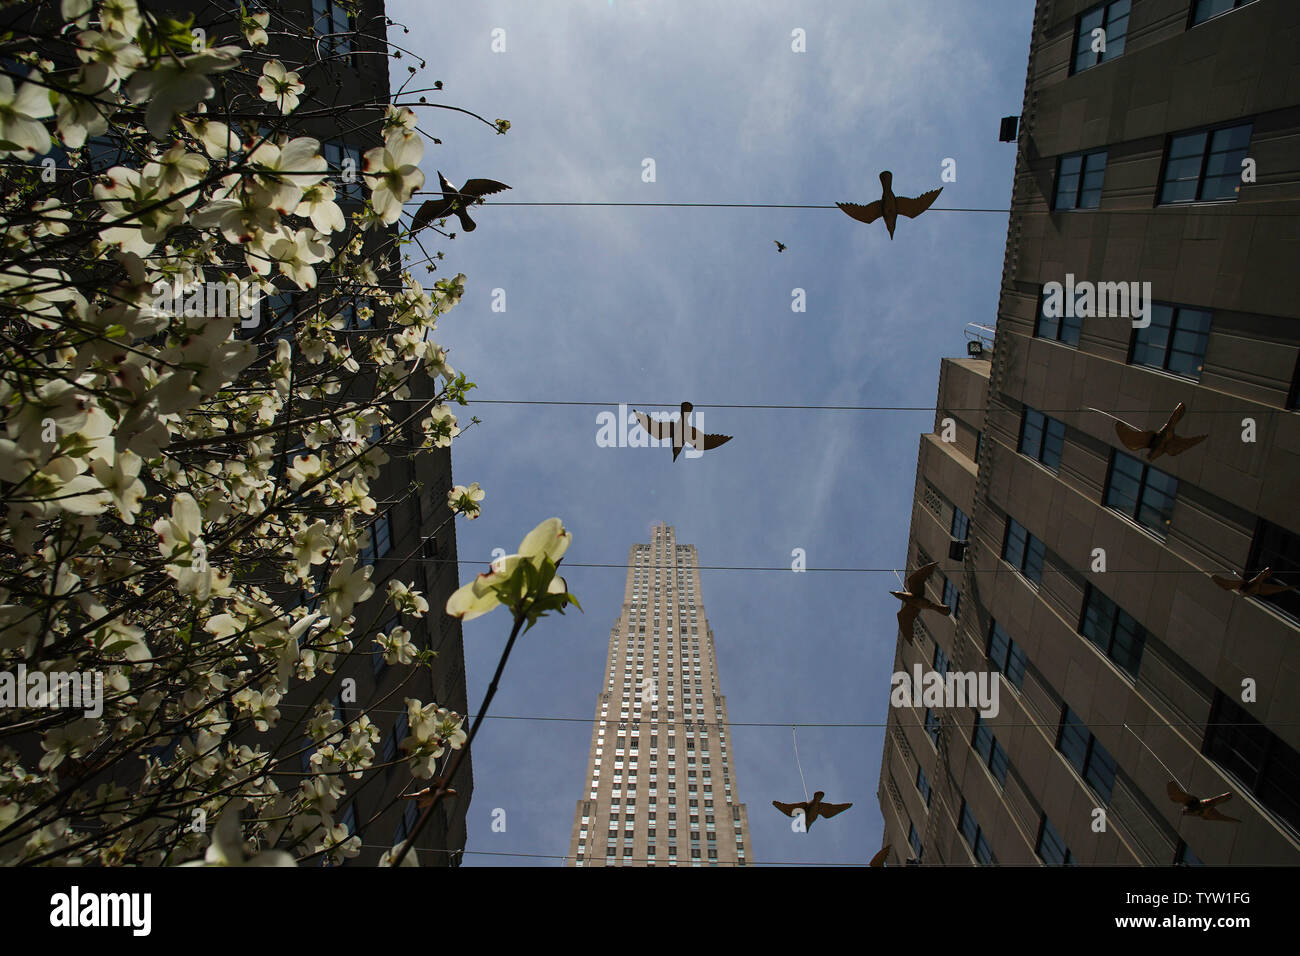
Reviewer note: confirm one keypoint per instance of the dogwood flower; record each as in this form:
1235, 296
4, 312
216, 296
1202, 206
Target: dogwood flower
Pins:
254, 27
547, 542
392, 172
280, 86
462, 500
21, 111
226, 847
347, 586
176, 86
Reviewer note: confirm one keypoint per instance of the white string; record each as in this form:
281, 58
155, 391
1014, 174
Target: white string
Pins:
799, 764
1158, 760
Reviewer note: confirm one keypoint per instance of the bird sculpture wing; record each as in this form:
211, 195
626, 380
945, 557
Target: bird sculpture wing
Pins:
705, 442
916, 580
1266, 588
911, 208
1228, 584
936, 606
1133, 438
1213, 814
1215, 801
868, 213
880, 857
907, 619
787, 808
482, 187
1177, 793
653, 428
1176, 415
1177, 444
831, 809
429, 211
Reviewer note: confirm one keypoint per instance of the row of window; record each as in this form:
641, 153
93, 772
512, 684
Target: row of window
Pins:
1112, 19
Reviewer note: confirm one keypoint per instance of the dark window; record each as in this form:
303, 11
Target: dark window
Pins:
1205, 165
970, 829
914, 841
940, 660
1252, 753
333, 22
923, 785
1023, 551
1093, 762
1114, 631
344, 162
1183, 856
1293, 398
1042, 438
1174, 341
961, 524
990, 751
1062, 328
381, 539
1078, 180
951, 596
1006, 655
1144, 493
932, 725
1278, 550
1051, 847
1203, 10
1110, 17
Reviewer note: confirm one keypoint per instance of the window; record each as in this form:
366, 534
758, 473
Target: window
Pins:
1141, 492
1115, 632
381, 539
1092, 761
961, 523
1205, 165
970, 829
990, 751
395, 737
333, 23
1042, 438
951, 596
1174, 341
940, 660
1006, 655
344, 162
1078, 180
1061, 328
1252, 753
923, 785
1023, 551
1277, 549
1051, 848
1112, 18
914, 841
1203, 10
932, 725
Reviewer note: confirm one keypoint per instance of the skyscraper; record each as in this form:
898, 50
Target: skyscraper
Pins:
1079, 566
660, 786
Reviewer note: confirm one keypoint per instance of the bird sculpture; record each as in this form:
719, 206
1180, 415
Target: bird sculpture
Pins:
780, 246
1205, 808
889, 206
1257, 586
424, 798
1160, 442
455, 201
680, 431
915, 601
812, 809
879, 858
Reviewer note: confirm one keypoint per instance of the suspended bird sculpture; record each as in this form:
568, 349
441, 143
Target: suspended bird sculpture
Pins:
879, 858
455, 201
1257, 586
780, 246
424, 798
680, 431
915, 601
812, 809
1197, 807
890, 206
1156, 443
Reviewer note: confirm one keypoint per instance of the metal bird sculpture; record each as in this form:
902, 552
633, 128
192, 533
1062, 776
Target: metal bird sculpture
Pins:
680, 431
780, 246
424, 798
812, 809
1257, 586
889, 206
879, 858
455, 201
915, 601
1205, 808
1160, 442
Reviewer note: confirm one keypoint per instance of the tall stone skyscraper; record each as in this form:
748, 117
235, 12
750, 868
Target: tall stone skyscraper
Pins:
660, 785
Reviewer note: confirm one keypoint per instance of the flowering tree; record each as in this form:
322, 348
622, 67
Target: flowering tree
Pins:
187, 486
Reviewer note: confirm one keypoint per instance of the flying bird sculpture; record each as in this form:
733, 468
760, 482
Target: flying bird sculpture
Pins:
455, 201
1205, 808
889, 206
879, 858
915, 601
1163, 441
812, 809
1257, 586
780, 246
680, 431
424, 798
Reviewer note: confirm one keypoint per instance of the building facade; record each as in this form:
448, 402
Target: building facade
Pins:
660, 786
1077, 567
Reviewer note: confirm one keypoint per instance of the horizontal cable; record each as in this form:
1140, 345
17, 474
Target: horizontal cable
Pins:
864, 408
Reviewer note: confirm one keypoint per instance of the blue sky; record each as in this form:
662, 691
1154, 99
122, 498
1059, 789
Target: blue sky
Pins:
653, 306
